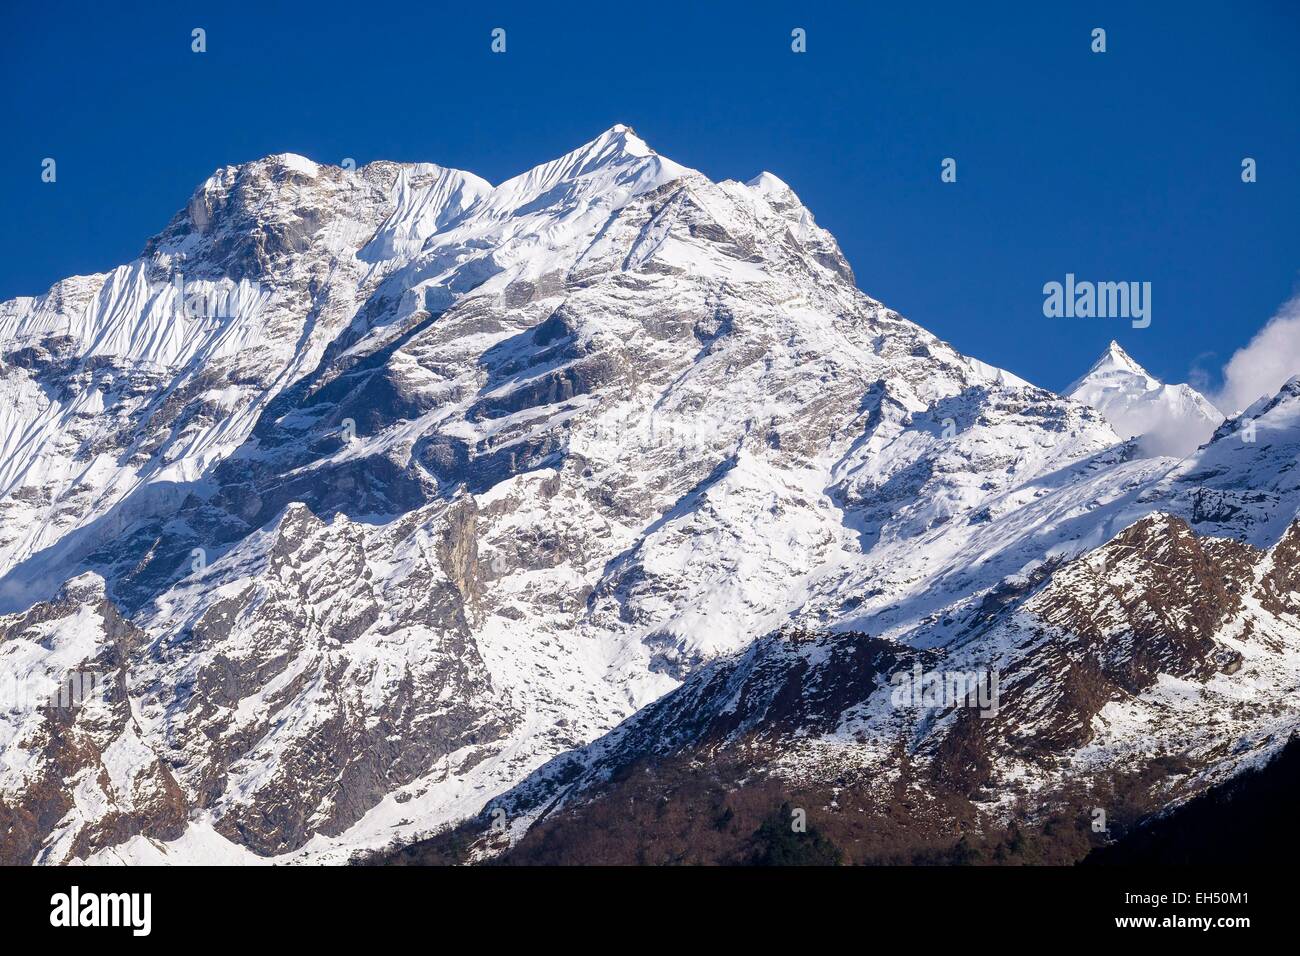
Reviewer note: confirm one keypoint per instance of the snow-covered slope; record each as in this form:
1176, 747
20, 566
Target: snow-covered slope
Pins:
471, 474
1168, 419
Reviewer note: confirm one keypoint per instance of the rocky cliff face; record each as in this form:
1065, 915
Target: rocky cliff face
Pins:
461, 477
79, 775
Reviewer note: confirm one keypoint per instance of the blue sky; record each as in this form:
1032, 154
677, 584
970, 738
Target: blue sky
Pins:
1116, 166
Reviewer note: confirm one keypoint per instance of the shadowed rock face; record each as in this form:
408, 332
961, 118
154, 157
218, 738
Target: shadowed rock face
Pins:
284, 687
476, 474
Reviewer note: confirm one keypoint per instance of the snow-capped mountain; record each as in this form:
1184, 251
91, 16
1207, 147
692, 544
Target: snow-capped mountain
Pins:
463, 478
1167, 419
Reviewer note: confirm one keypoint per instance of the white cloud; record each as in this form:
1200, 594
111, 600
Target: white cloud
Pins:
1265, 364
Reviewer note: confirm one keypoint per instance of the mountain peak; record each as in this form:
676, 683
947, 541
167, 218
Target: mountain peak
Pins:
766, 182
1113, 363
778, 194
623, 131
294, 161
615, 165
1170, 419
615, 143
1116, 359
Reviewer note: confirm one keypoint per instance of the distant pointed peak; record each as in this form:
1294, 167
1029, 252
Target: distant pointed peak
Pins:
1115, 354
1116, 358
1113, 359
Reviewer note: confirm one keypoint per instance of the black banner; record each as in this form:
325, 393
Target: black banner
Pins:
305, 905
